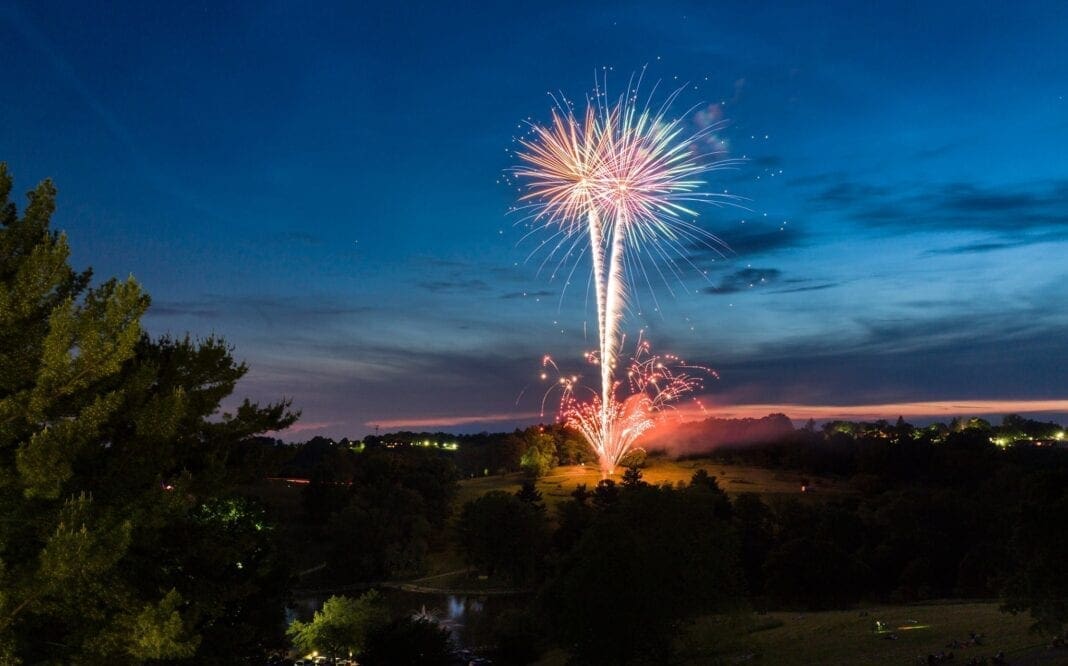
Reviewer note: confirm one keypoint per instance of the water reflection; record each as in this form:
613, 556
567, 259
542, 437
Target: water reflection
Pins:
468, 619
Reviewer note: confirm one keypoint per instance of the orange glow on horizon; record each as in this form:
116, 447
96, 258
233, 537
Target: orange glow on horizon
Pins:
796, 411
887, 410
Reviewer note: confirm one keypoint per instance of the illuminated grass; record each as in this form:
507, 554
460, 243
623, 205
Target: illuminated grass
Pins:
556, 487
849, 637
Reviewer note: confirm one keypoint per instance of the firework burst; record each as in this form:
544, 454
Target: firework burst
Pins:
619, 181
654, 383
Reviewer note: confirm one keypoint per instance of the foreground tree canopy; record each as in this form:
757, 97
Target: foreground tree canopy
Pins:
341, 627
649, 559
122, 539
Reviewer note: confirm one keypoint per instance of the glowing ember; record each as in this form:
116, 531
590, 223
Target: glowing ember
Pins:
653, 384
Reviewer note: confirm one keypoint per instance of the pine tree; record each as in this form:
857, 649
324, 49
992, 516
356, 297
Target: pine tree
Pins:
118, 521
632, 478
530, 494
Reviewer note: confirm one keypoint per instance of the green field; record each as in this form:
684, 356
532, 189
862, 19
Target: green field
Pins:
556, 487
849, 637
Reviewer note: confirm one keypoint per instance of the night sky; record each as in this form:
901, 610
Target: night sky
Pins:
322, 187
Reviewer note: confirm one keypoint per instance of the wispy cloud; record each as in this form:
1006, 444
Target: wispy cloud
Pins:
454, 286
909, 357
814, 287
453, 421
750, 240
266, 308
849, 193
950, 206
744, 280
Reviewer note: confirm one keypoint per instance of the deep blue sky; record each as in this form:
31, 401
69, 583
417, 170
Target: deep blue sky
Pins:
319, 185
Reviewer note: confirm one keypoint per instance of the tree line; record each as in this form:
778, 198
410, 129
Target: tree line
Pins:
938, 513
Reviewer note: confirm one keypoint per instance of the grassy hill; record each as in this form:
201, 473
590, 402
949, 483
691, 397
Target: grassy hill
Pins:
909, 634
557, 486
849, 637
